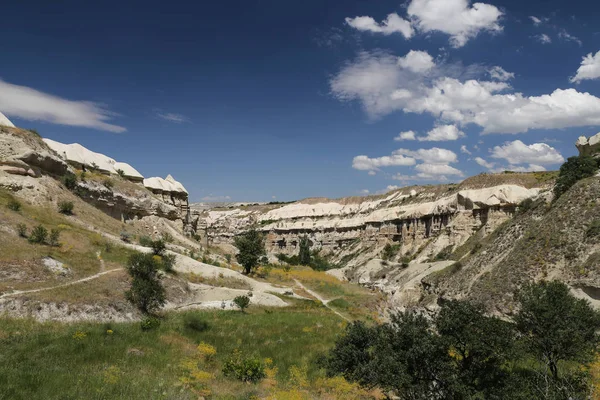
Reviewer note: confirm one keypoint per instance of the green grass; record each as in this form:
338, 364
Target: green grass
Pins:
45, 361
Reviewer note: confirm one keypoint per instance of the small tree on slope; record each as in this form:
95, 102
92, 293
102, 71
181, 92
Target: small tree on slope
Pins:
251, 246
304, 253
146, 292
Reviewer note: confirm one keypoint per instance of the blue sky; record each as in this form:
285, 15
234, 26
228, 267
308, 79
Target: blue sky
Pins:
263, 100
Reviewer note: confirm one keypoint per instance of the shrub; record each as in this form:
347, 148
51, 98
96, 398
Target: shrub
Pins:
108, 183
54, 237
22, 230
70, 181
242, 302
575, 169
194, 322
126, 237
66, 207
525, 205
168, 261
149, 323
38, 235
228, 258
121, 173
390, 251
593, 230
158, 247
145, 241
245, 369
167, 237
146, 291
251, 246
444, 254
14, 205
304, 252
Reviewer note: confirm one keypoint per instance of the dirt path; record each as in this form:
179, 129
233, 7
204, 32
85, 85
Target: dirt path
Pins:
88, 278
321, 299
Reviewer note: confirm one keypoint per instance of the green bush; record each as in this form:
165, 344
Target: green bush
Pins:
14, 205
158, 247
149, 323
70, 181
242, 302
121, 173
168, 262
53, 239
167, 237
390, 251
525, 206
145, 241
66, 207
146, 291
575, 169
108, 183
444, 254
22, 230
38, 235
249, 369
251, 246
194, 322
126, 237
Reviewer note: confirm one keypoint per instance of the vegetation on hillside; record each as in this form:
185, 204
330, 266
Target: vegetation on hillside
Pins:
251, 248
573, 170
545, 352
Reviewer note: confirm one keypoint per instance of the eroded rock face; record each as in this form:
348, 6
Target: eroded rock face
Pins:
5, 121
24, 151
588, 146
420, 221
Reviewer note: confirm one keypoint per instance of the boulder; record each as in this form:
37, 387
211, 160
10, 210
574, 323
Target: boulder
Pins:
588, 146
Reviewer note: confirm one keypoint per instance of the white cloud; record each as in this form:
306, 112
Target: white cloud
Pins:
517, 152
382, 87
392, 24
536, 20
372, 173
443, 133
456, 18
364, 163
213, 198
589, 68
408, 135
430, 171
543, 38
484, 163
563, 34
417, 61
463, 149
392, 187
364, 191
172, 117
528, 168
434, 155
27, 103
500, 74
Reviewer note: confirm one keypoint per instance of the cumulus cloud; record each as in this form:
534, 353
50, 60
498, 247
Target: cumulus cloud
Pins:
417, 61
499, 74
463, 149
364, 191
434, 155
172, 117
408, 135
392, 24
484, 163
589, 68
456, 18
443, 133
517, 152
382, 87
432, 171
364, 163
30, 104
543, 38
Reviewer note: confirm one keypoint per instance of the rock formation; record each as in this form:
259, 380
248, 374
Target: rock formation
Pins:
5, 121
83, 158
420, 220
588, 146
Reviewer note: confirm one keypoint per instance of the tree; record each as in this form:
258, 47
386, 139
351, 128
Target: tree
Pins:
242, 302
251, 247
573, 170
146, 292
556, 326
304, 253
